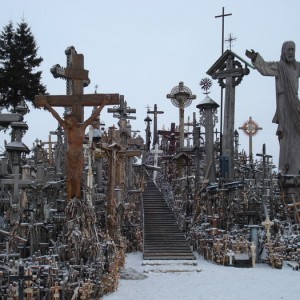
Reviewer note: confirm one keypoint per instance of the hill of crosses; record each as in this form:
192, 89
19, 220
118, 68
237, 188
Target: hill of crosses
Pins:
72, 206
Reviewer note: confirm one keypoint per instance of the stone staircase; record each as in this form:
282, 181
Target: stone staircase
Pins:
162, 238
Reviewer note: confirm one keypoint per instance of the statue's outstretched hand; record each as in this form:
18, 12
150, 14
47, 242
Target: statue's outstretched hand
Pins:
251, 54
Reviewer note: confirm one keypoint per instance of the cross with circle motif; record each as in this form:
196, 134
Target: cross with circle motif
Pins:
250, 128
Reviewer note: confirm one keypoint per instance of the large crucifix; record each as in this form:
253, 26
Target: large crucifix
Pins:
73, 123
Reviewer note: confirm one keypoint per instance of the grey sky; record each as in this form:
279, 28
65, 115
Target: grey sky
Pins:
142, 49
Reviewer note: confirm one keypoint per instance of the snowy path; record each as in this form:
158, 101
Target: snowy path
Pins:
213, 282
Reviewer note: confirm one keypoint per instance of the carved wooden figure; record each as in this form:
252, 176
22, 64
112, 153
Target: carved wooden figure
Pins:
75, 134
268, 224
74, 123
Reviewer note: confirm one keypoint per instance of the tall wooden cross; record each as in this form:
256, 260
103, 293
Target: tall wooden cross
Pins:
78, 76
229, 71
155, 112
116, 177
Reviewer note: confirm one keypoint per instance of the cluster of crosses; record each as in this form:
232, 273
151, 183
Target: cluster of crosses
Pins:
64, 223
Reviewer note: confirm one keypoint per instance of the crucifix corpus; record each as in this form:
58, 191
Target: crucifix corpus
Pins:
73, 122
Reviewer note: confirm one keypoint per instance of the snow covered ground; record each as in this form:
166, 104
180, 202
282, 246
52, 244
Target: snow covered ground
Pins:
205, 281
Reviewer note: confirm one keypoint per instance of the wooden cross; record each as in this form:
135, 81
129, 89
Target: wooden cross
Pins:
218, 246
86, 290
17, 182
79, 78
74, 125
181, 96
295, 206
223, 15
229, 72
122, 113
155, 112
56, 291
116, 155
172, 135
50, 148
20, 279
268, 224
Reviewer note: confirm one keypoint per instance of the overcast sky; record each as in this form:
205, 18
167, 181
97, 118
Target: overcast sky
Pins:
142, 49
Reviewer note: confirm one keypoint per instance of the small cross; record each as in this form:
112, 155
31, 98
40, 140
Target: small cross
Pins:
268, 224
230, 40
56, 291
50, 144
155, 112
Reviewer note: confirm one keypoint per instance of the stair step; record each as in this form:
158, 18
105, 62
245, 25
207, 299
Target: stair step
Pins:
162, 237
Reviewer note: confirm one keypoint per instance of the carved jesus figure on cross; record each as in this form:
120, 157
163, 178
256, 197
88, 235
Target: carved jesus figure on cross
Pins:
75, 132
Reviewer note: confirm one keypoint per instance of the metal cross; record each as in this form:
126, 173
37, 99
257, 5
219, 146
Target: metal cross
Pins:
223, 15
230, 40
